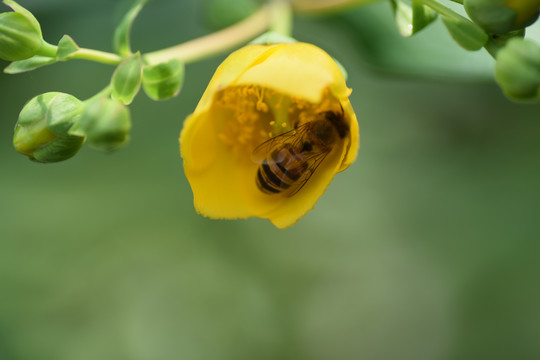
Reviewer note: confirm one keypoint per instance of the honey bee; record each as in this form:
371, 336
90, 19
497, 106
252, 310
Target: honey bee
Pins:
290, 159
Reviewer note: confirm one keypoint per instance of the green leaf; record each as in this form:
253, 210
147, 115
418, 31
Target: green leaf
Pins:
163, 81
422, 16
126, 80
27, 14
429, 54
121, 42
466, 33
403, 16
412, 19
66, 47
33, 63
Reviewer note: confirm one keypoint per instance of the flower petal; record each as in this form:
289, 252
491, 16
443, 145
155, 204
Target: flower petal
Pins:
354, 141
231, 68
286, 70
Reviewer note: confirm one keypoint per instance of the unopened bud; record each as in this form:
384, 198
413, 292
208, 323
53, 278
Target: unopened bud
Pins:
502, 16
517, 69
106, 123
42, 131
163, 81
19, 38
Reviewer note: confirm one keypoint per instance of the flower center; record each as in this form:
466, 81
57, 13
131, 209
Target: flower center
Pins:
252, 114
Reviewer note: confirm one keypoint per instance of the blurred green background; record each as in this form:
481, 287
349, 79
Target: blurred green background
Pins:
426, 248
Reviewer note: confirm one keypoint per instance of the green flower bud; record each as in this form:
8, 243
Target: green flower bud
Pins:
106, 123
42, 131
19, 38
517, 69
502, 16
163, 81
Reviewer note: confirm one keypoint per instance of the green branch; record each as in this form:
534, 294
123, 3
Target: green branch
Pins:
218, 42
96, 55
282, 17
441, 9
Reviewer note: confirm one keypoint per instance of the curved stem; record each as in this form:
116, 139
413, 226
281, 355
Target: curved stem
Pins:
218, 42
277, 16
96, 55
310, 6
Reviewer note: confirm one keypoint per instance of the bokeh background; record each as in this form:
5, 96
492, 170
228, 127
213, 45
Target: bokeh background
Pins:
426, 248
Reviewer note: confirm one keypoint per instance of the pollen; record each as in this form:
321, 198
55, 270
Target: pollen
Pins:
250, 115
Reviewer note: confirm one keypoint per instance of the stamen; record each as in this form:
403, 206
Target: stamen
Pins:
252, 114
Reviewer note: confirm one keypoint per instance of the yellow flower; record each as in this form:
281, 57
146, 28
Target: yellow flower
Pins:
264, 92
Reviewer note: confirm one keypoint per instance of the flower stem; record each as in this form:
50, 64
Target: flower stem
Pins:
47, 50
276, 16
218, 42
96, 55
443, 10
311, 6
281, 17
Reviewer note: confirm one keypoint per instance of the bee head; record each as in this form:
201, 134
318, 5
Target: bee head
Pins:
338, 120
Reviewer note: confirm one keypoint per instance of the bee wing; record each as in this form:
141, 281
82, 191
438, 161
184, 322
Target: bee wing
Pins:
313, 162
261, 152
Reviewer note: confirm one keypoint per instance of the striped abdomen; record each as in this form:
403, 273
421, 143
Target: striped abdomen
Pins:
281, 170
